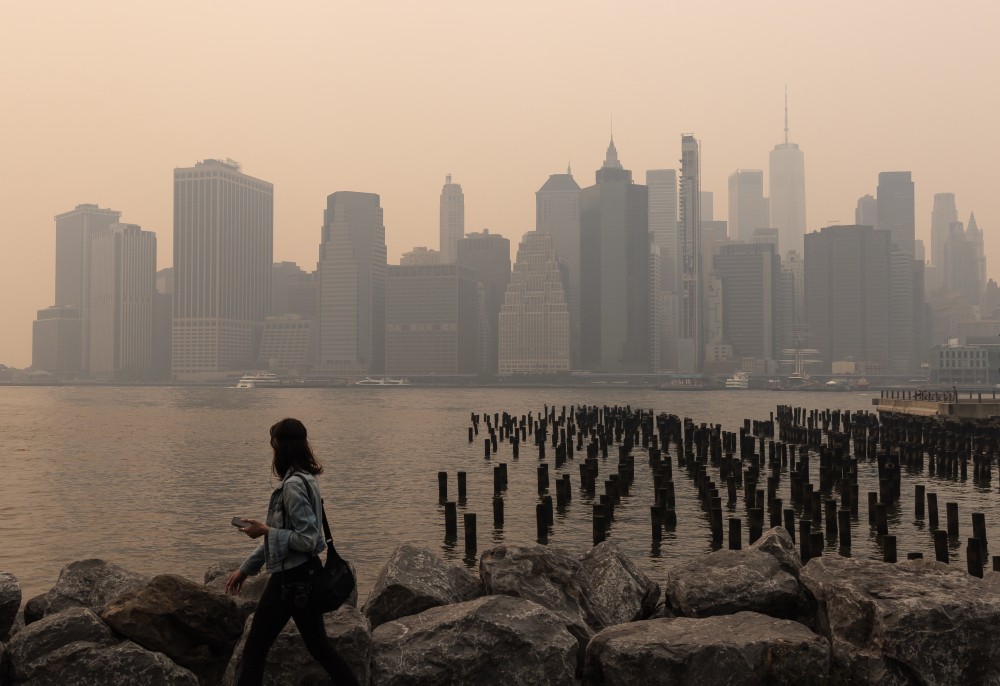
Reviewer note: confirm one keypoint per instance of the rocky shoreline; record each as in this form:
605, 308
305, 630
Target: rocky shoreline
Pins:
533, 615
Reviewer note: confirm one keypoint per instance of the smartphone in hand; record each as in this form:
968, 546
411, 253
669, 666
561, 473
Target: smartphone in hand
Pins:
239, 523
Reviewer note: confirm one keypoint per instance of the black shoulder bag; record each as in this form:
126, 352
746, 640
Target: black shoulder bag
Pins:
334, 583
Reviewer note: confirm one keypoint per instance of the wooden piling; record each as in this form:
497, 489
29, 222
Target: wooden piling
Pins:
951, 510
461, 487
918, 501
735, 533
889, 549
497, 512
941, 545
442, 487
844, 517
450, 521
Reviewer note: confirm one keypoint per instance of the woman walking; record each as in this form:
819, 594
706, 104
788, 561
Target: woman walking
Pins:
293, 539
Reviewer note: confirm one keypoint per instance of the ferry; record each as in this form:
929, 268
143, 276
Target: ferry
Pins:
382, 381
739, 380
258, 380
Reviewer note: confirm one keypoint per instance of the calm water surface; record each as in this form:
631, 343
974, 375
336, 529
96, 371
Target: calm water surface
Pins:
150, 477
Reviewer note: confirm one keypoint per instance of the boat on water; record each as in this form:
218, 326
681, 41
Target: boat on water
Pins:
382, 381
739, 380
258, 380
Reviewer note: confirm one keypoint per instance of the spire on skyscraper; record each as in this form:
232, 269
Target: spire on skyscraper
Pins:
611, 159
786, 114
972, 226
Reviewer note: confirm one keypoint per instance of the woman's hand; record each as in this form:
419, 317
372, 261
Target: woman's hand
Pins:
235, 582
254, 529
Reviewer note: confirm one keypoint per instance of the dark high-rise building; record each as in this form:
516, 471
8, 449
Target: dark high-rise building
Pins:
691, 282
431, 320
352, 268
747, 209
488, 256
557, 213
750, 276
614, 251
847, 270
223, 241
74, 231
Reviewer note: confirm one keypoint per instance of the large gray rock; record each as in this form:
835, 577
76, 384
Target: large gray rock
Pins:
746, 648
490, 640
777, 543
95, 664
615, 592
906, 623
29, 647
195, 627
10, 602
249, 595
85, 583
416, 579
290, 664
543, 575
729, 581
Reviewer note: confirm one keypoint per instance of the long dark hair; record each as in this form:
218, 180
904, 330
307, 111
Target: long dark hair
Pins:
291, 449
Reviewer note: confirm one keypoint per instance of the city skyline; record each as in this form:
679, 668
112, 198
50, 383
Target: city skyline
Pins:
311, 141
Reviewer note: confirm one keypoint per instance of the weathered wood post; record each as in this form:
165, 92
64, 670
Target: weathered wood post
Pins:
450, 521
461, 487
442, 487
952, 513
497, 512
735, 533
941, 545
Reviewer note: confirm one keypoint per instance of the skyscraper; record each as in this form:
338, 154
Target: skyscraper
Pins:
747, 210
534, 319
866, 211
895, 214
614, 251
223, 242
691, 334
662, 185
452, 219
488, 256
847, 274
557, 213
122, 293
944, 214
750, 276
787, 191
431, 320
352, 272
74, 231
895, 208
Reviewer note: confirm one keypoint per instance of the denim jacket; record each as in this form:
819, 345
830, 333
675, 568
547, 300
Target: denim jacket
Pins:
292, 543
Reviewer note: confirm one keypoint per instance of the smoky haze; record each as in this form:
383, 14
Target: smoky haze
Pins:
102, 100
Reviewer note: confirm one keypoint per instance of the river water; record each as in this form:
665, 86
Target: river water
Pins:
150, 477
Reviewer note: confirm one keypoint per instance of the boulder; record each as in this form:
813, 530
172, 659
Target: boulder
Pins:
416, 579
905, 623
543, 575
95, 664
290, 664
10, 602
29, 647
217, 575
729, 581
194, 626
777, 543
489, 640
746, 648
615, 592
85, 583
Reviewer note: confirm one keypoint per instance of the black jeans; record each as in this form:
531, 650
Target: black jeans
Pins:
270, 618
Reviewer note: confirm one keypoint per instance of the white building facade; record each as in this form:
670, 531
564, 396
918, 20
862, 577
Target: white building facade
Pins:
534, 319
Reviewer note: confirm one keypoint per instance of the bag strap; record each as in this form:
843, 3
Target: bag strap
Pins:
326, 525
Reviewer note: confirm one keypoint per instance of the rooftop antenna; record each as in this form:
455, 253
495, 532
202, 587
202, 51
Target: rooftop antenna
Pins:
786, 114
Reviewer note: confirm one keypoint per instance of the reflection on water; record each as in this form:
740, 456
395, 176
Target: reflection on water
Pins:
150, 477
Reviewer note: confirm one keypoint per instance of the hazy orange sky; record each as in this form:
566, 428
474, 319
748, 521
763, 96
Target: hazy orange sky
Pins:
101, 100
